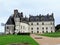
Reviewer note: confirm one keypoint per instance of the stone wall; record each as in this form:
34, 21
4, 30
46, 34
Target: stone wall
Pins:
9, 29
22, 28
48, 24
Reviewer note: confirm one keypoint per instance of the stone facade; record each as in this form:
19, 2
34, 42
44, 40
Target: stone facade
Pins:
22, 28
9, 29
34, 24
39, 27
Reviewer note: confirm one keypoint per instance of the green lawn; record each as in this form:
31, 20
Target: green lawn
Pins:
56, 34
8, 39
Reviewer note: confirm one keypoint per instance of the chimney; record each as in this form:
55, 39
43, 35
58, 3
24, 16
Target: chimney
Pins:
15, 11
21, 14
52, 14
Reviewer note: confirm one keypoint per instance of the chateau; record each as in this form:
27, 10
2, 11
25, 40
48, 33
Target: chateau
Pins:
17, 23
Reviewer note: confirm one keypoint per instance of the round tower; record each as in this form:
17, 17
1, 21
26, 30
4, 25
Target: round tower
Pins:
17, 21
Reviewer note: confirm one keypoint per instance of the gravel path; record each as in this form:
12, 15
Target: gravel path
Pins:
42, 40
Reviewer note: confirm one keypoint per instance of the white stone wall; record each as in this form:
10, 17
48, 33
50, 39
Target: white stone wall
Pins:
21, 27
17, 24
24, 27
16, 19
17, 27
10, 29
46, 24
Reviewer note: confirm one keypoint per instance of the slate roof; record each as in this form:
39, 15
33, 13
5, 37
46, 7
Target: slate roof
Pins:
30, 19
10, 21
18, 15
25, 20
41, 18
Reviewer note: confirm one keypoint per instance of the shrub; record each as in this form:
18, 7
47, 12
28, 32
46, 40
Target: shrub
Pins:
23, 34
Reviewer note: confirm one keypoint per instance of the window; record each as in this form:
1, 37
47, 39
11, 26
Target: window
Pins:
46, 28
51, 28
42, 23
50, 18
46, 31
37, 23
42, 31
23, 27
37, 19
51, 23
7, 27
31, 31
37, 31
31, 28
7, 30
42, 18
37, 28
31, 23
42, 28
31, 18
51, 31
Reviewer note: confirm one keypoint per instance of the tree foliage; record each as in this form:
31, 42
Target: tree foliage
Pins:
57, 28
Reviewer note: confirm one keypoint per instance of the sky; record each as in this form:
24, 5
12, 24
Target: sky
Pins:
33, 7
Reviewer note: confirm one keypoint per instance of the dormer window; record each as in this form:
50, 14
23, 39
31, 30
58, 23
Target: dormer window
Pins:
37, 19
42, 18
31, 18
50, 18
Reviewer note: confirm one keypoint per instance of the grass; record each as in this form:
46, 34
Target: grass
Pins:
55, 34
8, 39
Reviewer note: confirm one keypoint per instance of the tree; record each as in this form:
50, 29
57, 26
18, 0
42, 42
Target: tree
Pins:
57, 28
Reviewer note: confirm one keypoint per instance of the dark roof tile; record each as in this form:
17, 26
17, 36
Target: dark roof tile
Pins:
10, 21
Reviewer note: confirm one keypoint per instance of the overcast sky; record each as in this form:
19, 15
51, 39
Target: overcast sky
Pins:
33, 7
